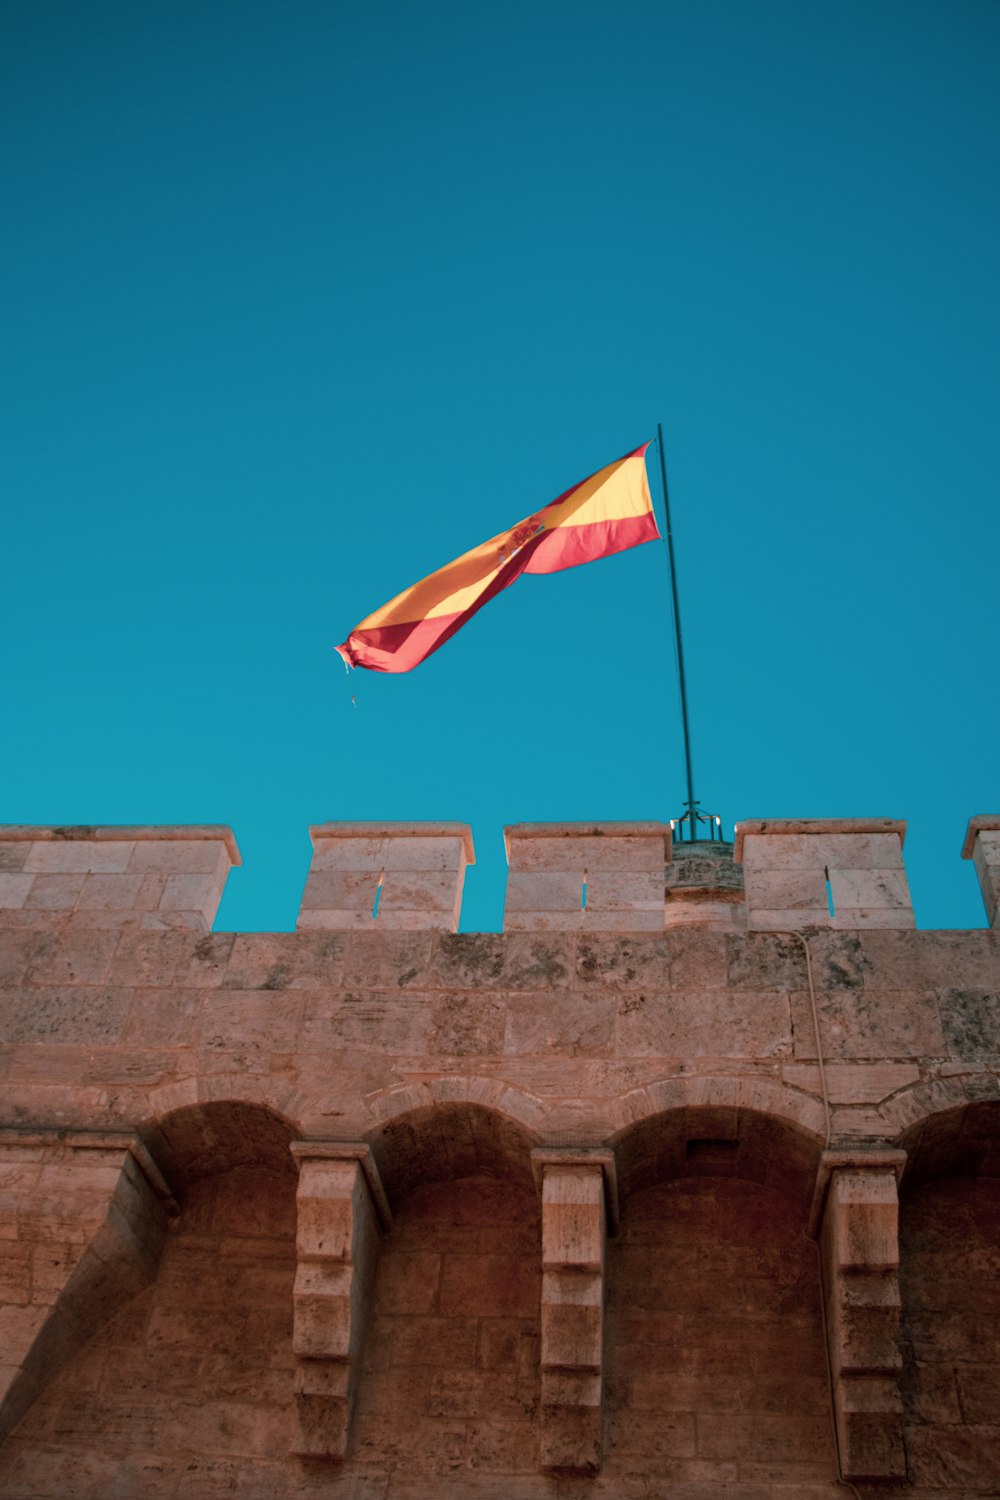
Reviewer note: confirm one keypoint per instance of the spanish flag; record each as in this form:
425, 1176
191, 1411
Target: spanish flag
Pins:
606, 513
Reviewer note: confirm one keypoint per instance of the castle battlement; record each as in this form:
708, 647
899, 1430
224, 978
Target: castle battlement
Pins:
686, 1183
780, 874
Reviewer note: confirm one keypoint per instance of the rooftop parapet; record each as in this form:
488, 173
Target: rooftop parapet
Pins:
586, 877
386, 875
824, 872
704, 887
115, 876
982, 845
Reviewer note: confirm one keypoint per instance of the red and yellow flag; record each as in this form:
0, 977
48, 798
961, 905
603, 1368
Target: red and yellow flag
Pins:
606, 513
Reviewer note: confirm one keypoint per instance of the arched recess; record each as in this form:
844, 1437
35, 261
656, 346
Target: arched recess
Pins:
759, 1131
202, 1140
906, 1112
194, 1377
721, 1137
715, 1355
453, 1127
960, 1141
950, 1285
438, 1140
450, 1376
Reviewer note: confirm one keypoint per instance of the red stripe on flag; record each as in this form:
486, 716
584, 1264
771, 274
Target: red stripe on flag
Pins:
400, 648
569, 546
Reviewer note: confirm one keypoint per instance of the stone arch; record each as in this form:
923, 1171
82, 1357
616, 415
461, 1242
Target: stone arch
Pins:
463, 1088
453, 1127
757, 1129
203, 1139
954, 1135
906, 1112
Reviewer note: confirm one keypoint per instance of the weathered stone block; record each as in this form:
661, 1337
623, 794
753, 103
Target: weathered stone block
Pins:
624, 891
87, 855
196, 894
703, 1024
869, 888
179, 856
340, 890
870, 1428
572, 1388
788, 919
622, 848
55, 892
13, 854
801, 843
361, 855
336, 920
866, 1324
572, 1334
322, 1377
14, 889
322, 1313
856, 917
787, 890
323, 1425
865, 1212
582, 1025
570, 1437
329, 1199
584, 921
531, 891
573, 1217
109, 892
430, 891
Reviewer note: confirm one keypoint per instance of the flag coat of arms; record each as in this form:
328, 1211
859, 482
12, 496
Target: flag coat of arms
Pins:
607, 513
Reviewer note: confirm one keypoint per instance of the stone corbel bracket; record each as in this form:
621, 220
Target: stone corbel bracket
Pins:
855, 1218
341, 1208
579, 1205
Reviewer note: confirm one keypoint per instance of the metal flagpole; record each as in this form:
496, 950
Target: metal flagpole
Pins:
692, 816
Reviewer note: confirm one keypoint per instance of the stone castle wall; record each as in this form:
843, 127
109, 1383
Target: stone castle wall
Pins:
686, 1184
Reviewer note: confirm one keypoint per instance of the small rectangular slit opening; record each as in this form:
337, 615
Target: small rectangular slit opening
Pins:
829, 891
583, 893
711, 1147
378, 894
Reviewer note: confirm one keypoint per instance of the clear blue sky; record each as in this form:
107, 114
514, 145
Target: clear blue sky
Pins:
301, 299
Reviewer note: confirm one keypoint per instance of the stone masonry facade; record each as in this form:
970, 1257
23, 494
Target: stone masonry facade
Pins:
686, 1184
